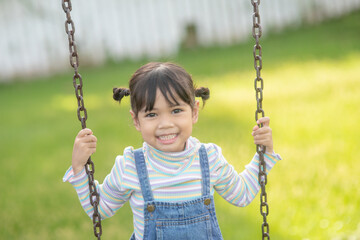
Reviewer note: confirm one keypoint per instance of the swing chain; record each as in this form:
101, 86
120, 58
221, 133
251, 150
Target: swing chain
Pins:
82, 113
259, 86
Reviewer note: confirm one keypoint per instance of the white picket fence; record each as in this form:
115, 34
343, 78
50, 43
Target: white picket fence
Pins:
33, 40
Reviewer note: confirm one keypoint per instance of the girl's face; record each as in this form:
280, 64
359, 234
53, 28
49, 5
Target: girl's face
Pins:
166, 127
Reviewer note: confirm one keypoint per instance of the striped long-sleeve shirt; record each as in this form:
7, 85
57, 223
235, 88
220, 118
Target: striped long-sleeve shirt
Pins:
174, 177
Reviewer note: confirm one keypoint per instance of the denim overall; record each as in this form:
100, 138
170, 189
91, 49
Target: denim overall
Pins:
193, 219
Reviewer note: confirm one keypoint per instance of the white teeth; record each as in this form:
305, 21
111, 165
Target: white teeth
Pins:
167, 137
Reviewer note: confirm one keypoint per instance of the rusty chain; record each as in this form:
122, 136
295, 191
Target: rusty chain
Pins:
82, 113
259, 86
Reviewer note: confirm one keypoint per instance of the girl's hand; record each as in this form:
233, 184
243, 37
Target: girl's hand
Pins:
263, 136
84, 146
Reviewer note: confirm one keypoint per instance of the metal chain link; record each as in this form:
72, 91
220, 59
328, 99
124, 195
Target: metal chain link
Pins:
82, 113
259, 86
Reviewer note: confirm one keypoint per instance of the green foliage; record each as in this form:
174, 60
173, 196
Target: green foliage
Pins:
311, 94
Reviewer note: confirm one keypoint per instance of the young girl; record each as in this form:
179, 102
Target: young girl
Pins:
170, 181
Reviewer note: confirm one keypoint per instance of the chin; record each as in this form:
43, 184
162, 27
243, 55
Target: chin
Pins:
170, 148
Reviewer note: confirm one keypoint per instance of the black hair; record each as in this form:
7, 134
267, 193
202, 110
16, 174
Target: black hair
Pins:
172, 80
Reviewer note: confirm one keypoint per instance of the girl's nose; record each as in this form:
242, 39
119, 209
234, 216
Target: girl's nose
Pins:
165, 122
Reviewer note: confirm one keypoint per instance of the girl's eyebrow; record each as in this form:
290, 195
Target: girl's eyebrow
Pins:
143, 110
181, 104
174, 105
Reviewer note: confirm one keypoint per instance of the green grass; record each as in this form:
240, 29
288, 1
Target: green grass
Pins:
311, 93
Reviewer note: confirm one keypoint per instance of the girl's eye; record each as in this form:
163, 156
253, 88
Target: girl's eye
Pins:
150, 115
177, 110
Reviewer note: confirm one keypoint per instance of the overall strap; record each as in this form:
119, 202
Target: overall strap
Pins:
205, 172
143, 175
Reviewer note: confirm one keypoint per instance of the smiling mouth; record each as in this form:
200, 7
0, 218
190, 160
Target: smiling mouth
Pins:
167, 137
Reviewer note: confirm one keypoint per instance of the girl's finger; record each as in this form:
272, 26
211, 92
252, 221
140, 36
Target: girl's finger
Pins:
264, 120
89, 138
262, 136
262, 142
91, 145
263, 130
84, 132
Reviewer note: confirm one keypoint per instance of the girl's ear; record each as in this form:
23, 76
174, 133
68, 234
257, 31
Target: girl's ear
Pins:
195, 112
135, 120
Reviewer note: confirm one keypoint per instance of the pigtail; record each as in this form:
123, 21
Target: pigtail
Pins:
202, 92
119, 93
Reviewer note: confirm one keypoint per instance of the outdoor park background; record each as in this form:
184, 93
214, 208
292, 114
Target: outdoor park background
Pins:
311, 93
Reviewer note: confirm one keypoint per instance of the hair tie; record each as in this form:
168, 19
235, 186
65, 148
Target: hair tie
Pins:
119, 93
202, 92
